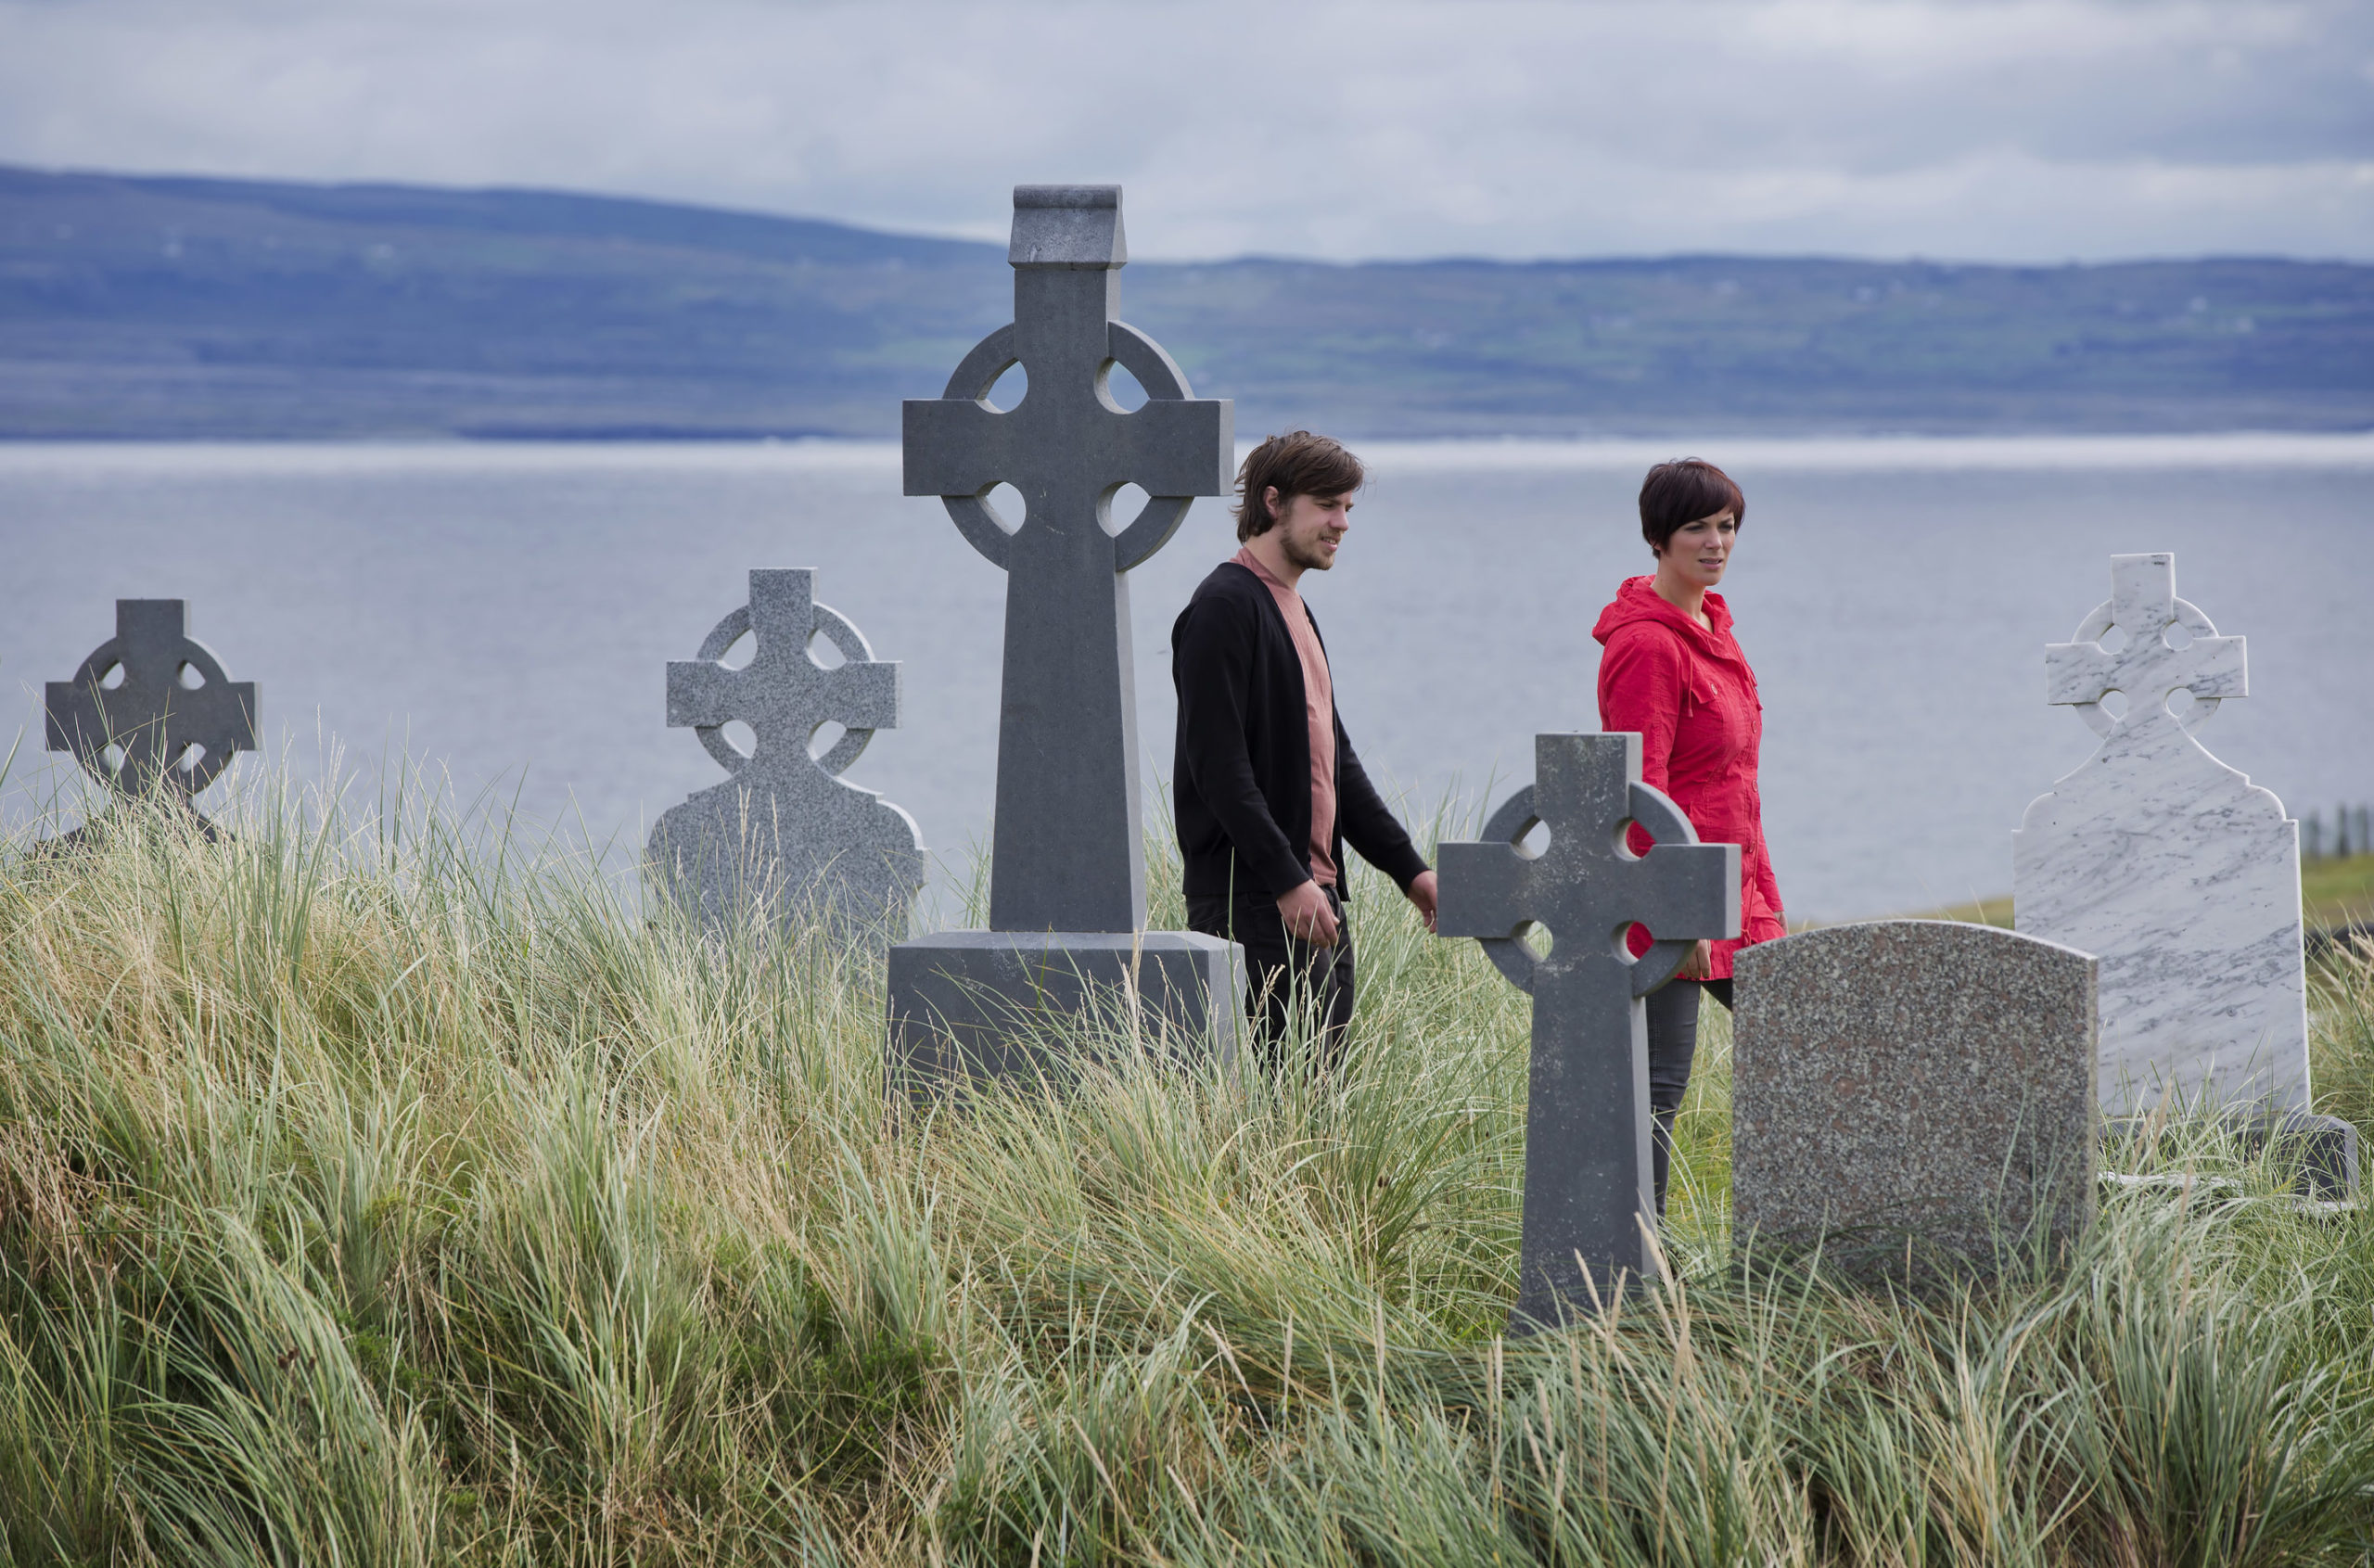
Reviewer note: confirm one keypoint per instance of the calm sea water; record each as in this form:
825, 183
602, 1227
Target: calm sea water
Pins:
506, 612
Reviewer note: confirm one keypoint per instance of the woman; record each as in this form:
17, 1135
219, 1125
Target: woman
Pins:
1673, 673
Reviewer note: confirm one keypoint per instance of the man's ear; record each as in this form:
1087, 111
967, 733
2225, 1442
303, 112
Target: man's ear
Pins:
1270, 499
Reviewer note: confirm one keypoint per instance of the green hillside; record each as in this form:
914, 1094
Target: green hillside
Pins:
185, 308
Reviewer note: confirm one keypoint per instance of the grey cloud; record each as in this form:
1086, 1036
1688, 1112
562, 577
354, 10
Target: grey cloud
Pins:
2036, 129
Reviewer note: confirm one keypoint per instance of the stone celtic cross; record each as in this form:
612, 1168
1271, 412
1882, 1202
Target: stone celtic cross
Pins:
2169, 646
782, 693
1065, 852
151, 707
1589, 1200
784, 827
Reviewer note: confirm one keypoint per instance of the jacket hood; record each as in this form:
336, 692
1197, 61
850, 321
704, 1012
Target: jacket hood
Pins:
1638, 600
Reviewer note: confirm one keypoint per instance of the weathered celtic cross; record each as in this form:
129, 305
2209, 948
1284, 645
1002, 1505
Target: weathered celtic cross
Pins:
2148, 666
151, 707
1589, 1198
782, 693
1066, 853
784, 828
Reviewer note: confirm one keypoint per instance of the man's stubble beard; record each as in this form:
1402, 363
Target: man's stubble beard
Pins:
1309, 558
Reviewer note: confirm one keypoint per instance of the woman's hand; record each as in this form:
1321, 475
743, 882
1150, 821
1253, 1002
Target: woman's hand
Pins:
1700, 965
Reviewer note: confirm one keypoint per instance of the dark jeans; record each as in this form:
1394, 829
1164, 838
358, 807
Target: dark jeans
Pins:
1293, 989
1673, 1043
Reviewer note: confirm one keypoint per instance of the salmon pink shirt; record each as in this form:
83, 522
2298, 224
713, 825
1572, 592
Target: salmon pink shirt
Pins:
1318, 700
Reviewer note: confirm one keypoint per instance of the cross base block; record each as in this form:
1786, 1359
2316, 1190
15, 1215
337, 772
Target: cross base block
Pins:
981, 1006
2320, 1151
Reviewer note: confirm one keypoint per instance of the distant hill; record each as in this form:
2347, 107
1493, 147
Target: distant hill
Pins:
150, 307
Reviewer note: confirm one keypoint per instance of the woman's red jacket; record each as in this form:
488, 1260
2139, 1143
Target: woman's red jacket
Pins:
1690, 694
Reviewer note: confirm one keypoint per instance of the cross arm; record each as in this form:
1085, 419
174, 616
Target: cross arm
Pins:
2077, 672
1484, 889
2221, 667
1688, 892
699, 692
955, 446
2208, 667
73, 716
1203, 442
1178, 447
221, 718
863, 697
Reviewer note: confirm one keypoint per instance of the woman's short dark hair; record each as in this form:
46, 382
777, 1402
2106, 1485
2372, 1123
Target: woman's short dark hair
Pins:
1297, 463
1682, 492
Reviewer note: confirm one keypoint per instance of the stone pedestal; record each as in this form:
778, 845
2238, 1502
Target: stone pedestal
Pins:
2321, 1150
985, 1005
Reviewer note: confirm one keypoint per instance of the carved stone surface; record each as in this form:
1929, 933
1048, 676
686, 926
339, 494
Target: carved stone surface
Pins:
973, 1004
1066, 853
1587, 1188
784, 833
2173, 868
1912, 1089
171, 719
1066, 863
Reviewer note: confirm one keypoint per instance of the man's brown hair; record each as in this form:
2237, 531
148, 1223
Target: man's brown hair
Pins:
1297, 464
1682, 492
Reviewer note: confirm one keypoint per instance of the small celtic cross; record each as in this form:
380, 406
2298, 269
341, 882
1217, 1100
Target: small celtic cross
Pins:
1589, 1195
151, 707
2169, 646
1066, 853
784, 694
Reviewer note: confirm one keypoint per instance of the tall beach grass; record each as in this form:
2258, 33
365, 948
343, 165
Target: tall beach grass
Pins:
375, 1189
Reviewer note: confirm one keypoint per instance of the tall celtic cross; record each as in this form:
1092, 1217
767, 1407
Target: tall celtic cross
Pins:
784, 828
1589, 1202
151, 707
1066, 853
2169, 646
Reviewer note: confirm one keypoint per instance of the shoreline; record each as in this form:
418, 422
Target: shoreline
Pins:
1892, 453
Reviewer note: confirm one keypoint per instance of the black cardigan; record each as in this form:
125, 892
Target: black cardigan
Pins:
1241, 776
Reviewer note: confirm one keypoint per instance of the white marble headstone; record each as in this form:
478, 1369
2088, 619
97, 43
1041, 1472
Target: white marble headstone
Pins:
2174, 870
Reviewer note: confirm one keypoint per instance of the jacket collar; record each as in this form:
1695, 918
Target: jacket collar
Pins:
1637, 600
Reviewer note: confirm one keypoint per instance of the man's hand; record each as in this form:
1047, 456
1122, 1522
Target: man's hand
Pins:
1422, 893
1306, 915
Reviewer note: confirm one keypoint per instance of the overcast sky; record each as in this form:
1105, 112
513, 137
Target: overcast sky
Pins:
2043, 130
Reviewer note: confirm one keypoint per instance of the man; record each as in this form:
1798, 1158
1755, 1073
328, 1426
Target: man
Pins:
1269, 789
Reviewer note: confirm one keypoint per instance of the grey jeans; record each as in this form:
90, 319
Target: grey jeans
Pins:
1673, 1044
